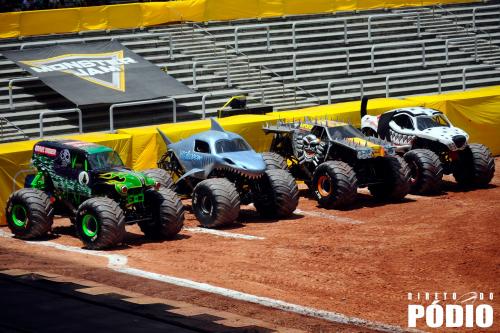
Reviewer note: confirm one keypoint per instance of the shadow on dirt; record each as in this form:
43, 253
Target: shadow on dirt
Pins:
362, 200
131, 239
450, 186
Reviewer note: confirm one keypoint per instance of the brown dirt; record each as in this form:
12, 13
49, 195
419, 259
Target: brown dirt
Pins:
445, 243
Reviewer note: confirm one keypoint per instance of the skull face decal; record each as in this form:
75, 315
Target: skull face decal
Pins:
65, 157
309, 148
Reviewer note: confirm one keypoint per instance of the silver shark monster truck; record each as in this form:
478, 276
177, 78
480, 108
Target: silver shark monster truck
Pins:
432, 146
221, 171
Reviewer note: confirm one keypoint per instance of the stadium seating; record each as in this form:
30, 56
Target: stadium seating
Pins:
263, 67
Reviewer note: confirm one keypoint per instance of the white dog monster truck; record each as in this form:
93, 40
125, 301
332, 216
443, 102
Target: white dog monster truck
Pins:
431, 146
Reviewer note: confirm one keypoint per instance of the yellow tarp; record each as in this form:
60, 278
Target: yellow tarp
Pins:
135, 15
346, 112
476, 111
147, 145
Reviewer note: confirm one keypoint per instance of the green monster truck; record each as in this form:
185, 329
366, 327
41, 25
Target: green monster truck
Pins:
334, 159
89, 184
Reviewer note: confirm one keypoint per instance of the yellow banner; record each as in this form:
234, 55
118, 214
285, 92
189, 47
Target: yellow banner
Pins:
137, 15
476, 111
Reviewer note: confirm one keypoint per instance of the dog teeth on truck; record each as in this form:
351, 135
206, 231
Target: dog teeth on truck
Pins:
432, 146
334, 159
89, 184
220, 171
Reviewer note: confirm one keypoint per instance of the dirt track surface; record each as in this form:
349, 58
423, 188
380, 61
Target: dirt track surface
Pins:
360, 262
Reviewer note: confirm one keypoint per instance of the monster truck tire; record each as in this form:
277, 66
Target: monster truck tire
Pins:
100, 223
476, 166
396, 174
274, 161
161, 176
280, 197
426, 171
29, 213
167, 214
334, 184
216, 202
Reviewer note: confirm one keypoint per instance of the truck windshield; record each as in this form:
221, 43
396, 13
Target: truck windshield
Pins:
434, 121
343, 132
105, 160
230, 146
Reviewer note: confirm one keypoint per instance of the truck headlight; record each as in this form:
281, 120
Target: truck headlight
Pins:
124, 189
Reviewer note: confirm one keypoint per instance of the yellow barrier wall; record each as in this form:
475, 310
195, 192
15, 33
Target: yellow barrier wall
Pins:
476, 111
137, 15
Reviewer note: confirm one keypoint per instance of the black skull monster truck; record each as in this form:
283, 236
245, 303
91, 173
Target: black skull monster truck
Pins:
334, 159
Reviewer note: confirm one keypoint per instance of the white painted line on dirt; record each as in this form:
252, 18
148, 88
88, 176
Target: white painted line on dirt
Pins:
265, 301
328, 216
118, 263
113, 259
222, 233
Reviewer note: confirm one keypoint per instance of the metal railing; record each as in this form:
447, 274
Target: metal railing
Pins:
256, 26
170, 46
227, 61
474, 12
273, 73
5, 123
294, 58
372, 17
393, 76
464, 73
294, 26
54, 112
11, 85
399, 46
260, 68
451, 40
146, 102
52, 42
159, 36
210, 36
448, 13
331, 83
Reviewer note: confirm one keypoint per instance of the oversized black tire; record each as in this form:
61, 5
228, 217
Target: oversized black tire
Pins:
29, 213
426, 171
167, 214
334, 184
161, 176
276, 195
475, 166
100, 223
274, 161
216, 202
395, 173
